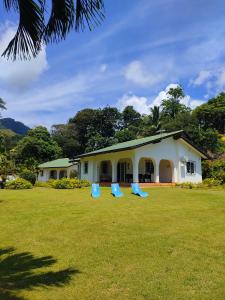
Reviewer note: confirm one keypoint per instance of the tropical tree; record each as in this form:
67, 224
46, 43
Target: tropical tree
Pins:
212, 113
155, 117
38, 26
37, 146
172, 105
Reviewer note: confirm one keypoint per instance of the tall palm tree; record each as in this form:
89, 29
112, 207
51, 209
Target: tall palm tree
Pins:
155, 117
34, 30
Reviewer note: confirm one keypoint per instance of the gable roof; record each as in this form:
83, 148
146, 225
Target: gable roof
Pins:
142, 142
57, 163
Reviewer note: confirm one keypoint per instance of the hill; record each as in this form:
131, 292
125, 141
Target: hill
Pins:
15, 126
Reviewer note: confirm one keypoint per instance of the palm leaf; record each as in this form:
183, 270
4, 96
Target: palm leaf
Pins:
28, 38
65, 15
61, 20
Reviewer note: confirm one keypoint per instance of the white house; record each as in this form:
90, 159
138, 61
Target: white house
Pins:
163, 158
56, 169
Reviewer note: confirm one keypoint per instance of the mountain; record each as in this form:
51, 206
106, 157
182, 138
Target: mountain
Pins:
15, 126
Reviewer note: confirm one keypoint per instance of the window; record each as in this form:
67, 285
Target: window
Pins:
86, 167
149, 167
190, 167
42, 173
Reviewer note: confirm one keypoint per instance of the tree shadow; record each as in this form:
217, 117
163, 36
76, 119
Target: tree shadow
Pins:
18, 271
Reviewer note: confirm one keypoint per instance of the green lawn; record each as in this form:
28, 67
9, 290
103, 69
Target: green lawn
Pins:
63, 245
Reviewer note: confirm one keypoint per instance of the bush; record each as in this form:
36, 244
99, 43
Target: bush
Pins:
18, 184
67, 183
209, 182
73, 174
214, 169
29, 176
186, 185
42, 184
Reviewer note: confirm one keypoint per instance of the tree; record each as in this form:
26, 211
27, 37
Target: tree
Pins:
212, 113
172, 106
130, 117
38, 146
155, 117
66, 137
65, 16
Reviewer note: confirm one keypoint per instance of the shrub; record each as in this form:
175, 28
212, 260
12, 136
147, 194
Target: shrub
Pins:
67, 183
214, 169
29, 176
73, 174
18, 184
209, 182
186, 185
42, 184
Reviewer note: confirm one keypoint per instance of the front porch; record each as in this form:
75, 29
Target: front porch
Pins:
145, 170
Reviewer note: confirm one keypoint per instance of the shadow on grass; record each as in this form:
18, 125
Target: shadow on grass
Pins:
18, 271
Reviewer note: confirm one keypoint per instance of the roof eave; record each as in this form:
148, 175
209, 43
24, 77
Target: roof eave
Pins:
128, 148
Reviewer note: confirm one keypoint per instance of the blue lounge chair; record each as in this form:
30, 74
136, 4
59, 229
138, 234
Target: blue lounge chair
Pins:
116, 190
95, 190
137, 190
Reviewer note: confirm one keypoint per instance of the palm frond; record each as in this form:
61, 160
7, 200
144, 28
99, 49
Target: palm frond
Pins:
90, 12
10, 4
28, 38
2, 104
61, 20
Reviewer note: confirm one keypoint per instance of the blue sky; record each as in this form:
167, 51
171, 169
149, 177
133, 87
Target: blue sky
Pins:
141, 49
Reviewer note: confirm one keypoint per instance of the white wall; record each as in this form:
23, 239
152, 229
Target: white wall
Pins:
167, 149
46, 172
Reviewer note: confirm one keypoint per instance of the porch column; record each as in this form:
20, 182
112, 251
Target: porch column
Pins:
114, 170
157, 171
96, 172
58, 174
135, 169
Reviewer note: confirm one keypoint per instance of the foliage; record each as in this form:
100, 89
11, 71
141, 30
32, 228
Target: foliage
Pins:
37, 145
7, 166
214, 169
2, 105
29, 176
210, 182
73, 174
171, 106
18, 184
33, 31
67, 183
42, 184
212, 113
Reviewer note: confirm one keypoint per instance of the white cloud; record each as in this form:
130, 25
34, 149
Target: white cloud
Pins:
194, 103
139, 103
163, 94
19, 74
202, 77
187, 100
103, 68
138, 74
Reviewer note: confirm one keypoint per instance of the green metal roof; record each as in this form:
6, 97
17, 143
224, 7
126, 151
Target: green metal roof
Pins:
58, 163
132, 144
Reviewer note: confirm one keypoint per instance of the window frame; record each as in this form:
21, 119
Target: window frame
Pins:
192, 165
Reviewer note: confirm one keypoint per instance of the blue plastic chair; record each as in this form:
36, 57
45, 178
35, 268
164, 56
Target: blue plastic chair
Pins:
95, 190
137, 190
116, 190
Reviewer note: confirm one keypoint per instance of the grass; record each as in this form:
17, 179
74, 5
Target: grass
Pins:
58, 244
